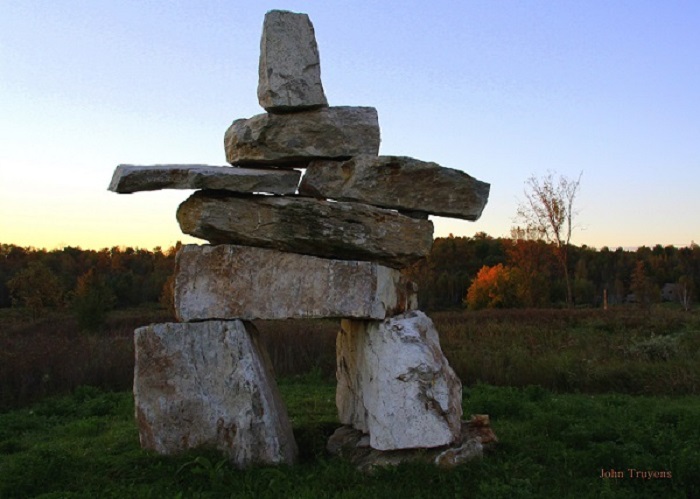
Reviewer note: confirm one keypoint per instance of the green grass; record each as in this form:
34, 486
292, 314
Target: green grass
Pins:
551, 445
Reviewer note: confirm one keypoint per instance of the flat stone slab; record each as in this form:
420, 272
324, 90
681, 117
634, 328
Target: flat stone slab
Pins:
297, 138
133, 178
227, 282
398, 182
209, 385
290, 69
345, 231
395, 384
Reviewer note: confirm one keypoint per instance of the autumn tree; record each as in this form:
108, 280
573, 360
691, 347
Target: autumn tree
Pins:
548, 212
35, 287
493, 287
445, 275
533, 259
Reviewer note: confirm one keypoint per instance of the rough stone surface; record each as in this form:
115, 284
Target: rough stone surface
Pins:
476, 437
346, 231
398, 182
131, 178
395, 384
297, 138
289, 70
227, 281
209, 385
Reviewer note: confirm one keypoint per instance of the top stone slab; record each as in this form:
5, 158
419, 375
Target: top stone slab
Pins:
290, 69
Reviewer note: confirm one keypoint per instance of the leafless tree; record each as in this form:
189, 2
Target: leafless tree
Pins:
548, 213
684, 292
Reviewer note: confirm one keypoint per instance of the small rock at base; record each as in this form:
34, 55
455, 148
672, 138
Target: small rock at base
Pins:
473, 442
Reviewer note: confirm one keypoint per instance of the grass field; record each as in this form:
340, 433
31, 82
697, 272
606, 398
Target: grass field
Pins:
572, 395
551, 445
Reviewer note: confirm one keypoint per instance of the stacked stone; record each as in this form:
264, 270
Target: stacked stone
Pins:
332, 246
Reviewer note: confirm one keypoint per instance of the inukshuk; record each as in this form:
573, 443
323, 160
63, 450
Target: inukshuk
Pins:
330, 246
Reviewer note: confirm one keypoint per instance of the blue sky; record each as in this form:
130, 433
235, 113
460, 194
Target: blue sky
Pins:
499, 89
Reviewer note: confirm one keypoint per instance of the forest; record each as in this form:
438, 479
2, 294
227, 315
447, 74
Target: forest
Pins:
89, 283
474, 272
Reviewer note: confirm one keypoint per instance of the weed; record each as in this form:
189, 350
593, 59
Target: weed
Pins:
656, 348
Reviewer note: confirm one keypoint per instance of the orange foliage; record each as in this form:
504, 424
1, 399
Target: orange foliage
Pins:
493, 287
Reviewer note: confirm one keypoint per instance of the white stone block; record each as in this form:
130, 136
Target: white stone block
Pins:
209, 385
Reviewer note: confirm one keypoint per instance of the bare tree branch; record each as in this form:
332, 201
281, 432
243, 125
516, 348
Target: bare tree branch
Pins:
548, 211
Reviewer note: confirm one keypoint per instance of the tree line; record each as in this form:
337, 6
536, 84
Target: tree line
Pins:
90, 282
482, 272
479, 272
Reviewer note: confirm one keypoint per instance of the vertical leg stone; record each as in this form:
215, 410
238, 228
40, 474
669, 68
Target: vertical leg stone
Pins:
209, 385
395, 383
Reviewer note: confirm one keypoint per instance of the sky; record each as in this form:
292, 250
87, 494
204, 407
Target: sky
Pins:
502, 90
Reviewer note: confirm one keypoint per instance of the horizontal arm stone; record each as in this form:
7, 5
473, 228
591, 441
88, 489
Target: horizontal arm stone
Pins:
132, 178
398, 182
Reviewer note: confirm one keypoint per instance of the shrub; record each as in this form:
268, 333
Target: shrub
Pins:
656, 347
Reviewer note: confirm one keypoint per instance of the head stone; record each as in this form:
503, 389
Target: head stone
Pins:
290, 69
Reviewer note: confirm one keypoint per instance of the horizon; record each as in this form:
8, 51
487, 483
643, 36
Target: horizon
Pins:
610, 90
62, 246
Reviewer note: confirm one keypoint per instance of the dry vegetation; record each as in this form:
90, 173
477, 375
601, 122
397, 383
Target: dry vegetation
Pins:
621, 350
49, 355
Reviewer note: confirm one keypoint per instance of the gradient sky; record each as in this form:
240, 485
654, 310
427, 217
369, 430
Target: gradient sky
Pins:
500, 89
